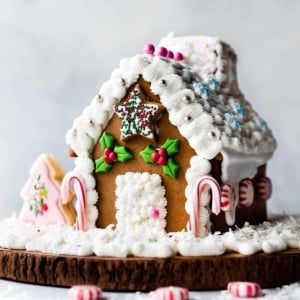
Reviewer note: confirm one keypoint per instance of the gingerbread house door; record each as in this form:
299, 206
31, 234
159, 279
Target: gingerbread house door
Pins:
141, 203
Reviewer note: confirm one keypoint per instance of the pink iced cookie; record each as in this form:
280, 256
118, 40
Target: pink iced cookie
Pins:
244, 289
41, 194
172, 293
85, 292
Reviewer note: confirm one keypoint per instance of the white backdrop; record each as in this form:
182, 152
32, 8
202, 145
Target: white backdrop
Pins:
54, 55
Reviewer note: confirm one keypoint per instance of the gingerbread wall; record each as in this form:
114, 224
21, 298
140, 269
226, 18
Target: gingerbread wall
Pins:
175, 188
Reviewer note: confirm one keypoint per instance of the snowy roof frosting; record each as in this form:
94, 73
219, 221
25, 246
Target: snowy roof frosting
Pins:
207, 107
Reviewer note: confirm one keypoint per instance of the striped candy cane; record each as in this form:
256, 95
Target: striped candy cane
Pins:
227, 197
202, 183
80, 192
172, 293
263, 187
85, 292
244, 289
246, 193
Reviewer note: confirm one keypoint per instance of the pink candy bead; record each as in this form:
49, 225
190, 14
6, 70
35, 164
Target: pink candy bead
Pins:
154, 213
170, 54
172, 293
149, 49
244, 289
161, 51
85, 292
178, 56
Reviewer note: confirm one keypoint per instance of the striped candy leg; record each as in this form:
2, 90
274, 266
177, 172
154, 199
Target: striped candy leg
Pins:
246, 193
201, 184
80, 192
227, 197
172, 293
85, 292
263, 187
244, 289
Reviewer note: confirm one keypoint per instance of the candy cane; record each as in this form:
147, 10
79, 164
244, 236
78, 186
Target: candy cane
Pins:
202, 183
246, 193
80, 192
244, 289
227, 197
172, 293
263, 187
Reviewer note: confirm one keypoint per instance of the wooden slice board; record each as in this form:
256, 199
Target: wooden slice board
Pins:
145, 274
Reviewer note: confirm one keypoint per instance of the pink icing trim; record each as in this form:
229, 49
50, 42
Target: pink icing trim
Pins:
80, 192
203, 182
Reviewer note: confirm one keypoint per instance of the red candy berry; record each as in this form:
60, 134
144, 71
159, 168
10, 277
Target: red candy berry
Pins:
155, 156
160, 156
170, 54
162, 152
162, 160
109, 155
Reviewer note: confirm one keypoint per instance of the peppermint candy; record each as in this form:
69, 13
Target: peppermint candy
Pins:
85, 292
227, 197
244, 289
264, 188
172, 293
246, 193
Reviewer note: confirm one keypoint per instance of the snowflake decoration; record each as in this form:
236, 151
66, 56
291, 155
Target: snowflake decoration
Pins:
239, 109
233, 121
203, 90
137, 116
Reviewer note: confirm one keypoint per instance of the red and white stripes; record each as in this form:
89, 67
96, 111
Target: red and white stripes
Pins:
202, 183
246, 193
263, 187
80, 192
172, 293
244, 289
227, 197
85, 292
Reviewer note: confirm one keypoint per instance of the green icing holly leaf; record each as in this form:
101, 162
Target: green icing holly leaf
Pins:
171, 168
107, 141
146, 154
122, 153
102, 166
171, 146
43, 191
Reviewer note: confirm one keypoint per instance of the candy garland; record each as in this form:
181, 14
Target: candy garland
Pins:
80, 192
163, 52
202, 183
111, 153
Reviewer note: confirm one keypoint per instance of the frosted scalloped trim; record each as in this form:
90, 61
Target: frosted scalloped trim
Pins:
278, 234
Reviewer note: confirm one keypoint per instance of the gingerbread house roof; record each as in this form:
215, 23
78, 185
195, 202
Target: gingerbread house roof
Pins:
210, 119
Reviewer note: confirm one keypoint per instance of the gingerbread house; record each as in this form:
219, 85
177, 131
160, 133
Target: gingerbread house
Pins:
170, 143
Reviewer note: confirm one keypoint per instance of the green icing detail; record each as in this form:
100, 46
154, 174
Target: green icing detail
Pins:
146, 154
171, 168
107, 141
122, 153
102, 166
171, 146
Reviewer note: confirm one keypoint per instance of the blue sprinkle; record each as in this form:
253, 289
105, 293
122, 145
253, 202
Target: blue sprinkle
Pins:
213, 82
234, 122
203, 90
239, 109
263, 124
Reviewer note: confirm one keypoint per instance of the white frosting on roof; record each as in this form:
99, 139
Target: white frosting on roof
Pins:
211, 120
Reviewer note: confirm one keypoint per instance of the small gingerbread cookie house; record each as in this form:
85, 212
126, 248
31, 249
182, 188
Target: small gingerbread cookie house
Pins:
170, 143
